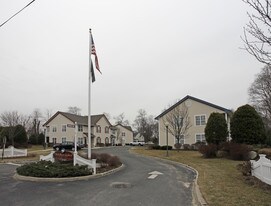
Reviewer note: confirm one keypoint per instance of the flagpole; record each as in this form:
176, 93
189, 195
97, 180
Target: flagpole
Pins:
89, 97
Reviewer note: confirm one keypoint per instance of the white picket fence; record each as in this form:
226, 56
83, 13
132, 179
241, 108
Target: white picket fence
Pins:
48, 157
262, 169
82, 161
13, 152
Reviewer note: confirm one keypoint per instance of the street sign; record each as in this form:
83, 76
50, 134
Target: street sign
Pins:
71, 125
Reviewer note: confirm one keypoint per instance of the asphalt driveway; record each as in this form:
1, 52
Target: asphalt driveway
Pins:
143, 181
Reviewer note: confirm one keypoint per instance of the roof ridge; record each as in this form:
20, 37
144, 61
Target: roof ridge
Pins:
195, 99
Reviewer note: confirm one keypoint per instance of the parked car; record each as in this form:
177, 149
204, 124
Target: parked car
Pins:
137, 143
66, 146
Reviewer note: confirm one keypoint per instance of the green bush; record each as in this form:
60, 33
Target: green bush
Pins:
216, 130
247, 126
20, 136
156, 147
208, 151
164, 147
41, 139
49, 169
33, 139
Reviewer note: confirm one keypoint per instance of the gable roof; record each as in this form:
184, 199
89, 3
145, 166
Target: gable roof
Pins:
83, 120
195, 99
126, 127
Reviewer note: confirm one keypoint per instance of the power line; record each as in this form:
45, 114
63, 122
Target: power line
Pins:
16, 13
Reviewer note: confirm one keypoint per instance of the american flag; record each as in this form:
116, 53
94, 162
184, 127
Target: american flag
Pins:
93, 52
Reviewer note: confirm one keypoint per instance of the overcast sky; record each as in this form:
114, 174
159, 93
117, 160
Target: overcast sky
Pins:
151, 53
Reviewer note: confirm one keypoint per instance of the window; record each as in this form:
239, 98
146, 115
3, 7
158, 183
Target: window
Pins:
98, 129
181, 140
80, 128
48, 129
200, 138
54, 140
98, 140
54, 129
64, 139
80, 140
178, 120
123, 134
200, 120
106, 140
64, 128
106, 129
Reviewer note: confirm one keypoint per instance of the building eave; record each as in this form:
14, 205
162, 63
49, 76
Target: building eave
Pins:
195, 99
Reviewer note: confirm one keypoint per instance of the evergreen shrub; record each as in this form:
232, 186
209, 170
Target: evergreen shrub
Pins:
49, 169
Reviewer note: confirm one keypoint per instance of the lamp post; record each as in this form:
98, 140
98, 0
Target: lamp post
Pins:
166, 124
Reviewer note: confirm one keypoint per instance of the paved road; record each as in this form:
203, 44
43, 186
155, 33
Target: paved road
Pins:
128, 187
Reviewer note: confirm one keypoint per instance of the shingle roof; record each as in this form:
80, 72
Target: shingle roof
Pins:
195, 99
126, 127
78, 118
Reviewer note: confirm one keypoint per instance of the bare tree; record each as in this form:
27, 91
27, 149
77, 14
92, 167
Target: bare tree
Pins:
260, 92
178, 122
140, 122
152, 129
257, 33
48, 114
11, 119
74, 110
36, 118
145, 125
120, 119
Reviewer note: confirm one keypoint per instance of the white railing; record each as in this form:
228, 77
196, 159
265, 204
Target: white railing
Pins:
82, 161
48, 157
262, 169
13, 152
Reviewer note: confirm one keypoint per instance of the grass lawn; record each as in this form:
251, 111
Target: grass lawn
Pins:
219, 180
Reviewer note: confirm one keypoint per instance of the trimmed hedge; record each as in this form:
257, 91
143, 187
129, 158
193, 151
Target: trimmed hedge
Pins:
50, 169
164, 147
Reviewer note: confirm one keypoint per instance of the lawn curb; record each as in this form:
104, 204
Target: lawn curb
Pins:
195, 191
66, 179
